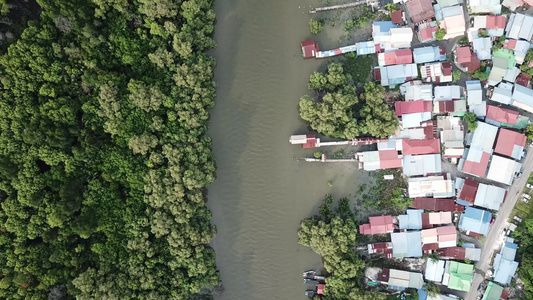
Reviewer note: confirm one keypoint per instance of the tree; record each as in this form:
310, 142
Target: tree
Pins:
333, 237
439, 35
315, 27
104, 157
482, 33
463, 41
456, 75
376, 117
432, 289
480, 74
471, 121
529, 132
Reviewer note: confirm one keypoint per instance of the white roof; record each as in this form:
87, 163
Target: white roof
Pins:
415, 165
370, 160
511, 74
419, 92
434, 270
503, 169
489, 196
414, 120
523, 97
511, 4
484, 137
480, 109
520, 26
432, 186
502, 95
474, 92
482, 47
447, 92
485, 7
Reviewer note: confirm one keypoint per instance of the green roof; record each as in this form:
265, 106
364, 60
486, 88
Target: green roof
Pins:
506, 54
460, 276
521, 123
493, 292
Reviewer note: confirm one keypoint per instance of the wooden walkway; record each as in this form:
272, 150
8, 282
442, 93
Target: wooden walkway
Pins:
341, 6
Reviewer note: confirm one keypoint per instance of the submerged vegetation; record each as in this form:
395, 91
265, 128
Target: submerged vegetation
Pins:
338, 112
387, 194
103, 152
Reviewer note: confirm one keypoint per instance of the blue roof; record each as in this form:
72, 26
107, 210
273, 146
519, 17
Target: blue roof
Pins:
475, 220
427, 54
385, 26
412, 220
504, 269
462, 202
422, 294
406, 244
509, 250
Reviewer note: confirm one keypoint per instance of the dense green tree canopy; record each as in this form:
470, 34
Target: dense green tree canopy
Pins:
334, 113
103, 153
332, 235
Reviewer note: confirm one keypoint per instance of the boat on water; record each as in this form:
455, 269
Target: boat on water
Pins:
310, 281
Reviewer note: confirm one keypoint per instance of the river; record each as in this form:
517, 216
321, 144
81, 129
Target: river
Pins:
262, 192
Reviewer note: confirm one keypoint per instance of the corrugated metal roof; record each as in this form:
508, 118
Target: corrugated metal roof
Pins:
510, 143
503, 169
475, 220
411, 220
406, 244
490, 196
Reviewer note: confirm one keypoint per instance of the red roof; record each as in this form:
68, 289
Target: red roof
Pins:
506, 141
377, 225
398, 57
397, 17
464, 54
404, 56
495, 22
473, 65
447, 68
420, 10
383, 276
388, 159
509, 44
309, 48
411, 107
414, 147
523, 79
477, 168
446, 106
310, 141
320, 288
436, 204
453, 252
428, 33
502, 115
469, 190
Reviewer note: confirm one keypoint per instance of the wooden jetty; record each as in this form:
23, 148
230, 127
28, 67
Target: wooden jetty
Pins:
341, 6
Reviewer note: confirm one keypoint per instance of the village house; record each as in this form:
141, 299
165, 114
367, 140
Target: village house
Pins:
475, 221
505, 265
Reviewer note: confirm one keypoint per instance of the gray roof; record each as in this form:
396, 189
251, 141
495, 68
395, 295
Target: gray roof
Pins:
489, 196
523, 97
415, 165
520, 26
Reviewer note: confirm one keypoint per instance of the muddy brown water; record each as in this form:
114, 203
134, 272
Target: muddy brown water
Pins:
262, 191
